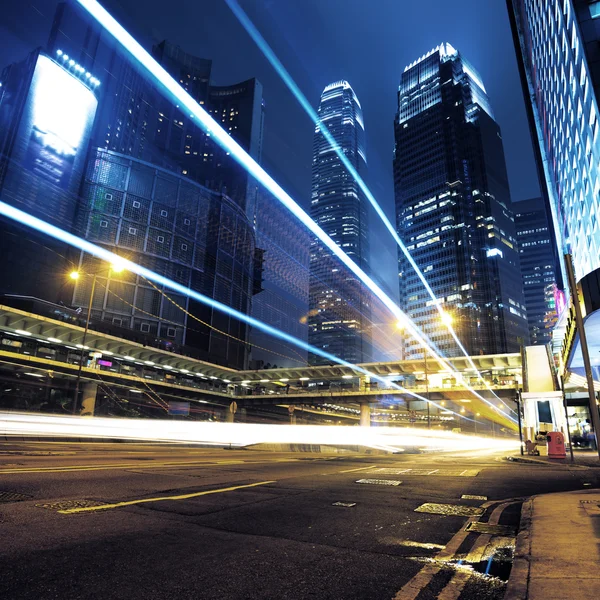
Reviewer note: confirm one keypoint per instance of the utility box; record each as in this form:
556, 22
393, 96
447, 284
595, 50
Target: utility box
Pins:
556, 445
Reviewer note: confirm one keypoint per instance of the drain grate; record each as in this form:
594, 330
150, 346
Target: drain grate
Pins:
67, 504
379, 481
344, 504
491, 529
6, 497
454, 510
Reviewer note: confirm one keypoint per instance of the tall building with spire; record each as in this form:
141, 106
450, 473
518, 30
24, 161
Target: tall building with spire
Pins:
339, 311
454, 209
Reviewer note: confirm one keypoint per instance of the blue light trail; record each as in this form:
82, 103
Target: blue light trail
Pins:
26, 219
310, 111
204, 120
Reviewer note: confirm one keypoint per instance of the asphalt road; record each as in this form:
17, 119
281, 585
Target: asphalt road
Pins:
146, 522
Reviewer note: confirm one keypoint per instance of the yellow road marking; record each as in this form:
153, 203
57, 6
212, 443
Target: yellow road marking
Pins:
361, 469
66, 468
144, 500
121, 466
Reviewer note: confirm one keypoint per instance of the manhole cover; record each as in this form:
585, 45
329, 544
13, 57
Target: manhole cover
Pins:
450, 510
380, 481
67, 504
490, 529
6, 497
471, 497
344, 504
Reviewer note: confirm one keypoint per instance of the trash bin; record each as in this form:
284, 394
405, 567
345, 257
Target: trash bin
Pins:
556, 445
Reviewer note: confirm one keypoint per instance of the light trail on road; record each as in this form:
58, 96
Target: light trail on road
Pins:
390, 439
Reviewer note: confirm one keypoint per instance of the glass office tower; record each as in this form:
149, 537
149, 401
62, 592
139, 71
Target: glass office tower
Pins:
454, 210
557, 49
538, 267
339, 313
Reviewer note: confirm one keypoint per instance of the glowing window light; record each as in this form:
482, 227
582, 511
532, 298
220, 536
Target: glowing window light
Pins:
293, 87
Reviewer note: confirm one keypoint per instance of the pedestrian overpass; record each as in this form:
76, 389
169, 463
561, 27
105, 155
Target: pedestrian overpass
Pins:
45, 353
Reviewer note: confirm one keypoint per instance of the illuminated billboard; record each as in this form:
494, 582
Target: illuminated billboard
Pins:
62, 112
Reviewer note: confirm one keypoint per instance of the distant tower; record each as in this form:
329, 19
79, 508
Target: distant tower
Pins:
339, 312
454, 210
538, 267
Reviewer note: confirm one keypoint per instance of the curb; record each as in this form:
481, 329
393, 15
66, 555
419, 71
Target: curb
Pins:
544, 463
518, 582
529, 461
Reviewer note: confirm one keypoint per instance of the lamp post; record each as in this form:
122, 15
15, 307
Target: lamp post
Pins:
75, 276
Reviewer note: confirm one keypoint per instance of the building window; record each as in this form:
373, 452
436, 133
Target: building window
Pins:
145, 328
171, 332
133, 231
108, 196
160, 239
164, 213
104, 224
136, 204
595, 10
117, 321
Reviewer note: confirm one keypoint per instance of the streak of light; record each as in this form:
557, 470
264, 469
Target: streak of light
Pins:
392, 439
172, 87
310, 111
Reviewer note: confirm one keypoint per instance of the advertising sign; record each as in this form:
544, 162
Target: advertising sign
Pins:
62, 112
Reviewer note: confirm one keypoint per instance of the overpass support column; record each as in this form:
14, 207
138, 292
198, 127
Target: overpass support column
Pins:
365, 414
88, 399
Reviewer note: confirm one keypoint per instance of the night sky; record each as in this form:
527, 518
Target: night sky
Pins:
367, 42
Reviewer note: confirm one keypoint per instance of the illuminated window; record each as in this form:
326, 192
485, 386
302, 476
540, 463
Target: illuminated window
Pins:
595, 10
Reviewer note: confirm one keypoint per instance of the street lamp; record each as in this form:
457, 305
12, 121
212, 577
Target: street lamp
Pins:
75, 275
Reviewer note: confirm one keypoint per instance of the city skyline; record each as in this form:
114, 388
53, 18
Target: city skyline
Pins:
287, 129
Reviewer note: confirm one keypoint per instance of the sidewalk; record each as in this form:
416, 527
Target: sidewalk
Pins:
558, 548
583, 458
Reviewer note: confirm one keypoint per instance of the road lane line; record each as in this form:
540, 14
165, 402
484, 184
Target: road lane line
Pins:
412, 589
353, 470
159, 499
137, 466
455, 586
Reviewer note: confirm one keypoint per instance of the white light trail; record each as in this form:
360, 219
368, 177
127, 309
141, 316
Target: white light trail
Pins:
393, 439
238, 153
310, 111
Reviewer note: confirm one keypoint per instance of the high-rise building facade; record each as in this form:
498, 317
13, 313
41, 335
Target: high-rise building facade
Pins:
163, 221
47, 110
557, 44
454, 210
538, 267
144, 195
339, 315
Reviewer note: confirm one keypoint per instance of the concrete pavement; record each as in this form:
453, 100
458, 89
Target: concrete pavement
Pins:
557, 552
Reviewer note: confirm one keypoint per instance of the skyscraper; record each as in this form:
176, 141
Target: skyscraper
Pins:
556, 44
339, 317
121, 165
538, 267
454, 210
